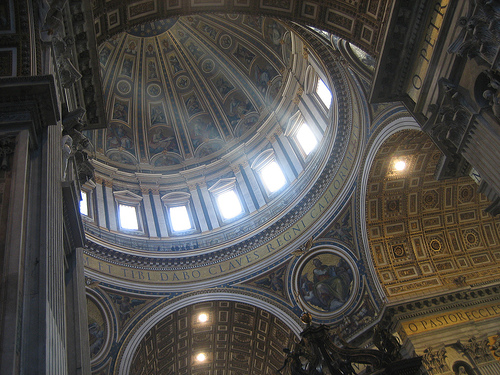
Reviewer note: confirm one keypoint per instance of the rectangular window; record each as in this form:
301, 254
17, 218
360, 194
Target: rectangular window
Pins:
272, 177
179, 217
84, 204
128, 217
229, 204
324, 93
306, 139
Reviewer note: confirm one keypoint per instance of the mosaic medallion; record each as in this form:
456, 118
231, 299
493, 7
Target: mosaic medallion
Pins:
471, 238
154, 90
123, 87
430, 199
399, 251
182, 82
226, 41
208, 66
326, 282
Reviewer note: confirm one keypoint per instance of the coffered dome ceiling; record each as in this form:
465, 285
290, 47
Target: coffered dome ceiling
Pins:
184, 91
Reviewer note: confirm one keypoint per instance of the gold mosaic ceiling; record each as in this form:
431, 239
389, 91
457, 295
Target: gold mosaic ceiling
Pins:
186, 90
426, 235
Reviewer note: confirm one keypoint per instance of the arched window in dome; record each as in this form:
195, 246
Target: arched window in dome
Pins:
180, 218
271, 175
179, 213
227, 199
129, 213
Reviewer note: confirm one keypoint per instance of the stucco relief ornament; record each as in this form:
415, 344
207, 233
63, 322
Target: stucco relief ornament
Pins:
326, 281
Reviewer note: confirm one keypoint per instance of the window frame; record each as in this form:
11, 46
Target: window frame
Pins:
178, 199
88, 189
261, 161
318, 96
127, 198
223, 186
294, 125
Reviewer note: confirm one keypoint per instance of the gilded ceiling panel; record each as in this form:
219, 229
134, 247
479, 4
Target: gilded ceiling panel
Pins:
354, 20
236, 338
426, 235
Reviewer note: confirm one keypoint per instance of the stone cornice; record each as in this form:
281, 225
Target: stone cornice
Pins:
443, 302
33, 102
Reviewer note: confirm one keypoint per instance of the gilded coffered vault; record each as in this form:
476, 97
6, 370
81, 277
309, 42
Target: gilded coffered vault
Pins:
426, 234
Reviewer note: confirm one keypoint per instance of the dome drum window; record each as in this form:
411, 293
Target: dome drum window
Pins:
179, 212
87, 201
84, 203
129, 212
227, 198
304, 135
316, 85
268, 169
324, 93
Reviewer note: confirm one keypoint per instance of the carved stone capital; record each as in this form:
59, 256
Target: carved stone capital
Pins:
235, 168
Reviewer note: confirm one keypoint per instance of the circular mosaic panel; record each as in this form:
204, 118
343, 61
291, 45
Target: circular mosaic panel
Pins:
208, 66
154, 90
226, 41
326, 282
123, 87
183, 82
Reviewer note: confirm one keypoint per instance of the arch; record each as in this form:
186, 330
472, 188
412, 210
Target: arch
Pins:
286, 316
403, 123
363, 27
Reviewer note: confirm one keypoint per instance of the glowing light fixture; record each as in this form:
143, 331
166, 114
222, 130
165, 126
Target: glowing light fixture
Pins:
202, 318
399, 165
201, 357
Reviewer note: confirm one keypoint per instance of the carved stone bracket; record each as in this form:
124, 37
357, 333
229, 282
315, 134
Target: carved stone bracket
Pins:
449, 126
7, 146
480, 35
69, 26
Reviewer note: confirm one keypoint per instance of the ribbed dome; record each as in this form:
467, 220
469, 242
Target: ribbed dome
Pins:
187, 90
